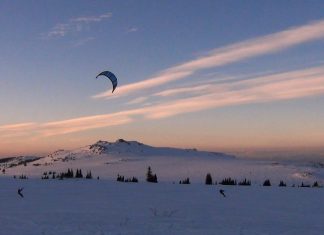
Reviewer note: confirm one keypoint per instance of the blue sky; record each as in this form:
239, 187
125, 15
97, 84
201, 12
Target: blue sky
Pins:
206, 74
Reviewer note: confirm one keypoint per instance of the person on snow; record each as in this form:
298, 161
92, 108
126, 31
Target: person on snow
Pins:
221, 191
20, 192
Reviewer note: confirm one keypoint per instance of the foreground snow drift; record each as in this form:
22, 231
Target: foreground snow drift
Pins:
106, 207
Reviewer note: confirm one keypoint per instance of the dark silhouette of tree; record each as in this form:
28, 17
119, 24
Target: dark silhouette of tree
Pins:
282, 184
316, 185
209, 179
121, 178
78, 174
150, 177
228, 181
89, 175
185, 181
245, 182
267, 183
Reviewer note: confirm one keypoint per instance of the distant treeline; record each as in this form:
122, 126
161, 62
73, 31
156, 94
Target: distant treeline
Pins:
152, 178
69, 174
246, 182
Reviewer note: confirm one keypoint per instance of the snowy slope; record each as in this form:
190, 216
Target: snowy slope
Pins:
131, 158
16, 161
101, 207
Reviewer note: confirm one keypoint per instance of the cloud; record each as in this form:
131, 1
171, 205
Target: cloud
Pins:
183, 90
90, 19
74, 25
83, 41
230, 54
17, 130
288, 85
132, 30
82, 124
139, 86
138, 100
260, 89
18, 126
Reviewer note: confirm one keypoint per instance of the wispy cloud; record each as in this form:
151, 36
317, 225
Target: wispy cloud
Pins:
183, 90
83, 41
289, 85
74, 25
138, 100
260, 89
226, 55
82, 124
132, 30
17, 130
18, 126
155, 81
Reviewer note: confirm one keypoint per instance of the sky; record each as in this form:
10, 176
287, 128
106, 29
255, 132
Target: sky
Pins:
213, 75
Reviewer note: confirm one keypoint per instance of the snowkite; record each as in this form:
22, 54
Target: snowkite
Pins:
111, 77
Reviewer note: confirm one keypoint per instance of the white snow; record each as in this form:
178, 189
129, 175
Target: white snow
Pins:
108, 207
104, 206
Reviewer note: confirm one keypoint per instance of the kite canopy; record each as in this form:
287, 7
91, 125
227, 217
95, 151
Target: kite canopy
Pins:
111, 77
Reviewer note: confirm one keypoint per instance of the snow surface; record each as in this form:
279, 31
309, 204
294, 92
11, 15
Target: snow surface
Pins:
131, 158
105, 207
102, 207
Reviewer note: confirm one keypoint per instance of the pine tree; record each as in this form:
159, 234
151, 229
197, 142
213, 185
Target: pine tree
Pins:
282, 184
209, 179
267, 183
89, 175
155, 179
149, 174
150, 177
316, 185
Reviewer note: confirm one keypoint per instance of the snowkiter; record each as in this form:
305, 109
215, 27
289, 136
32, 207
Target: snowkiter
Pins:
20, 192
221, 191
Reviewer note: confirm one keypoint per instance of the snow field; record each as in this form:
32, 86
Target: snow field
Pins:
109, 207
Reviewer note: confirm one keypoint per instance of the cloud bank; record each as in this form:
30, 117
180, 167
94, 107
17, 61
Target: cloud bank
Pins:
274, 87
230, 54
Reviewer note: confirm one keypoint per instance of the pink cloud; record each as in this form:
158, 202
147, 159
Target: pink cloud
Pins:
226, 55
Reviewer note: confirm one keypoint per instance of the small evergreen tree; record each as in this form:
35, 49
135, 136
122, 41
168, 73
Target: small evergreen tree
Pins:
282, 184
134, 180
228, 181
78, 174
150, 177
209, 179
245, 182
149, 174
316, 185
185, 181
267, 183
89, 175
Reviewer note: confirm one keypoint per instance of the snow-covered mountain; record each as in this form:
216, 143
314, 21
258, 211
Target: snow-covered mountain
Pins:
122, 148
131, 158
16, 161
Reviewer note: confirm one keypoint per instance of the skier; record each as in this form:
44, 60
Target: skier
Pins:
20, 192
